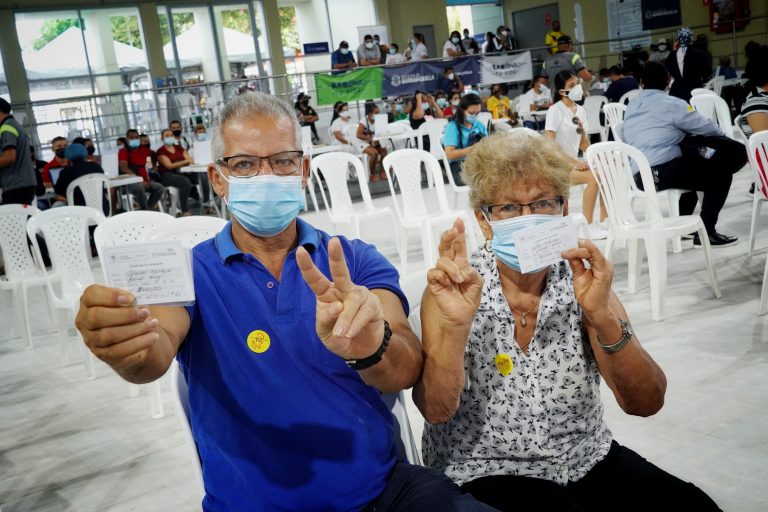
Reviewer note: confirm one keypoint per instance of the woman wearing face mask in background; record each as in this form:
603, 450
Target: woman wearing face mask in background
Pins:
453, 46
394, 56
424, 105
450, 82
372, 149
537, 98
463, 133
453, 105
567, 125
419, 49
442, 101
170, 158
340, 122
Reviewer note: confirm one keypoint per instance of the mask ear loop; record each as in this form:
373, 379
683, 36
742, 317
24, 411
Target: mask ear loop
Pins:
487, 244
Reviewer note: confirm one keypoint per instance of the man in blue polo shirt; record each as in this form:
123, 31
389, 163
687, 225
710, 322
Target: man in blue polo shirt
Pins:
292, 340
342, 59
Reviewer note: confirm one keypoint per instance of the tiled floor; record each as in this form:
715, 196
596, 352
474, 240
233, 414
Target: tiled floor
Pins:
67, 444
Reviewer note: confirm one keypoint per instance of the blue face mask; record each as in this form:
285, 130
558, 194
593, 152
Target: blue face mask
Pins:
170, 141
503, 243
471, 118
265, 205
425, 106
134, 143
202, 136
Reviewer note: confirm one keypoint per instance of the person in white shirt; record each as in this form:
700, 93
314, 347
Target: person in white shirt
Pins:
538, 97
453, 47
394, 56
491, 44
339, 125
567, 124
419, 51
366, 132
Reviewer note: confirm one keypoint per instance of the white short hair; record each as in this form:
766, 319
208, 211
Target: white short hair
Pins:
247, 105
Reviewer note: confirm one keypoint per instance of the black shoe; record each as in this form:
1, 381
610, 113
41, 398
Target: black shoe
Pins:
717, 240
689, 236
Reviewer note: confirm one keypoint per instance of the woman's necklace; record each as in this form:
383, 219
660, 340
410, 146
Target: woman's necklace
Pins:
523, 315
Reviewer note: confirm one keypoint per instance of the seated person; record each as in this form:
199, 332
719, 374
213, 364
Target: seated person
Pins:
513, 361
424, 108
307, 115
754, 111
368, 53
394, 56
170, 158
458, 146
340, 123
79, 166
442, 101
453, 104
498, 103
535, 99
285, 367
132, 161
620, 84
724, 69
366, 130
684, 149
59, 161
449, 82
342, 59
201, 134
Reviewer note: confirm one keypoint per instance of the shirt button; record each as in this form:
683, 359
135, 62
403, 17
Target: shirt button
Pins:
270, 285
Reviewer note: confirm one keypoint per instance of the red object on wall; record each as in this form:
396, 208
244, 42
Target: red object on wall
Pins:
547, 19
722, 14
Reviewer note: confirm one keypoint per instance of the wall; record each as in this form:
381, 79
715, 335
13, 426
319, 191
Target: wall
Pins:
403, 15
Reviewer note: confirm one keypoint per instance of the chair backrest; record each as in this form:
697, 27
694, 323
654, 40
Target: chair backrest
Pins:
109, 162
758, 160
486, 118
13, 241
610, 163
93, 187
413, 286
715, 84
65, 231
404, 165
715, 108
432, 129
738, 130
189, 230
614, 112
698, 91
334, 168
616, 130
629, 96
526, 131
180, 392
592, 106
126, 228
381, 124
203, 153
306, 139
405, 443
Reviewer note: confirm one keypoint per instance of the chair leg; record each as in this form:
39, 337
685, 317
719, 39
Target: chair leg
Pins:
634, 264
426, 244
26, 327
403, 249
657, 270
674, 211
710, 263
756, 205
764, 291
155, 400
62, 313
90, 372
133, 390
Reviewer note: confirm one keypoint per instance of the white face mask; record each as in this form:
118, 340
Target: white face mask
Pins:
344, 114
504, 33
543, 89
451, 76
455, 40
369, 45
576, 94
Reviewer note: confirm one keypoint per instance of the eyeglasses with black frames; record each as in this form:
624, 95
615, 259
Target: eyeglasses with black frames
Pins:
246, 166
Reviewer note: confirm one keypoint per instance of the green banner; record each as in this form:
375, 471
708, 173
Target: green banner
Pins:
361, 84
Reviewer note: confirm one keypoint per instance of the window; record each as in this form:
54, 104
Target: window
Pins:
3, 82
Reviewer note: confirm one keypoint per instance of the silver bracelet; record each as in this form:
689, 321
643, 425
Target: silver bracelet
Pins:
626, 335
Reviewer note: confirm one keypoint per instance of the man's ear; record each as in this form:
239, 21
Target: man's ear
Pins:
219, 184
304, 171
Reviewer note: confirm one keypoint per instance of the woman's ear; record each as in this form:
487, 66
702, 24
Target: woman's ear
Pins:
565, 208
484, 226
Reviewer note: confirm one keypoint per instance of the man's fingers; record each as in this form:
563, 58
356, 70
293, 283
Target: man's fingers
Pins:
318, 283
352, 302
369, 311
99, 295
109, 336
119, 352
338, 265
99, 317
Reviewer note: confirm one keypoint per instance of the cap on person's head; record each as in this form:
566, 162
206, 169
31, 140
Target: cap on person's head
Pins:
303, 96
75, 151
343, 44
5, 107
564, 39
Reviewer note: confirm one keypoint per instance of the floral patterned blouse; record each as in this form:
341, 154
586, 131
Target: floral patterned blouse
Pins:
537, 414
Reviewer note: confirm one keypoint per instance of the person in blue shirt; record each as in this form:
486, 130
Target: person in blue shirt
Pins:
450, 82
459, 145
620, 84
292, 340
684, 149
342, 59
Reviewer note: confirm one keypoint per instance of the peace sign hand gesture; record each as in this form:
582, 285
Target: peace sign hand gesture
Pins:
454, 284
349, 318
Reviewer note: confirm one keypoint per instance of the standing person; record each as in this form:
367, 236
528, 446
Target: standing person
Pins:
79, 166
504, 38
491, 44
394, 56
453, 46
132, 160
566, 124
368, 53
450, 82
552, 37
307, 115
513, 361
17, 174
538, 97
292, 340
342, 59
466, 41
689, 67
462, 133
419, 50
565, 59
620, 84
366, 130
59, 147
684, 149
171, 157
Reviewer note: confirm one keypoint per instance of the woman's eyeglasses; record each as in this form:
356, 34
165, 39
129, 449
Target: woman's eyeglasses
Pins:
577, 122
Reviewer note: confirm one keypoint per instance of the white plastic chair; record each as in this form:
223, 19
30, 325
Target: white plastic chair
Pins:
758, 161
410, 207
698, 91
614, 112
433, 130
486, 118
715, 84
93, 187
65, 231
333, 167
126, 229
306, 146
609, 162
629, 96
522, 129
716, 109
189, 230
738, 131
592, 106
21, 272
180, 393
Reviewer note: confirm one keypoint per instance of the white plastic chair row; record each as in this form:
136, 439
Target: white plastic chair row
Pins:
715, 108
614, 113
758, 161
609, 162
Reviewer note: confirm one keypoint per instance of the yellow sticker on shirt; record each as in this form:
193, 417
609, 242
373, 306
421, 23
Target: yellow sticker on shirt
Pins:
258, 341
504, 364
691, 109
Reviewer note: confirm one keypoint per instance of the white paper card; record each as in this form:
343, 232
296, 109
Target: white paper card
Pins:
154, 272
540, 246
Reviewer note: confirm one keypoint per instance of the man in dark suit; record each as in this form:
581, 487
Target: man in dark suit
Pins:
689, 66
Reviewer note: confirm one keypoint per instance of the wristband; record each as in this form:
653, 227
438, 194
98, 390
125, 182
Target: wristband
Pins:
362, 364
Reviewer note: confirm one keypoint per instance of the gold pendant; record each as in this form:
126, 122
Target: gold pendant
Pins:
523, 321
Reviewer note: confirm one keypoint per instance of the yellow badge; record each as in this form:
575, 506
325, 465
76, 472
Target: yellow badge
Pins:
504, 364
691, 109
258, 341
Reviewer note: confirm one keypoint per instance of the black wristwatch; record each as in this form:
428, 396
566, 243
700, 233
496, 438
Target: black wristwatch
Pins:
362, 364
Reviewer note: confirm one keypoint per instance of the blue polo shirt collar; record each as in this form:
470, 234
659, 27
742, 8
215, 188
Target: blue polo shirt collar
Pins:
225, 245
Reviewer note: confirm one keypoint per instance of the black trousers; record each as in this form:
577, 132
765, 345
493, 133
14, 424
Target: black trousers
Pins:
23, 195
182, 183
623, 481
692, 171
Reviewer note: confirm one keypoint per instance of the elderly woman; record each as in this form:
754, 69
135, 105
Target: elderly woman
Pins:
511, 381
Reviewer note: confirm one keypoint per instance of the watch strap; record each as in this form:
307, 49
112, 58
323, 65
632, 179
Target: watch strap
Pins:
626, 335
367, 362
